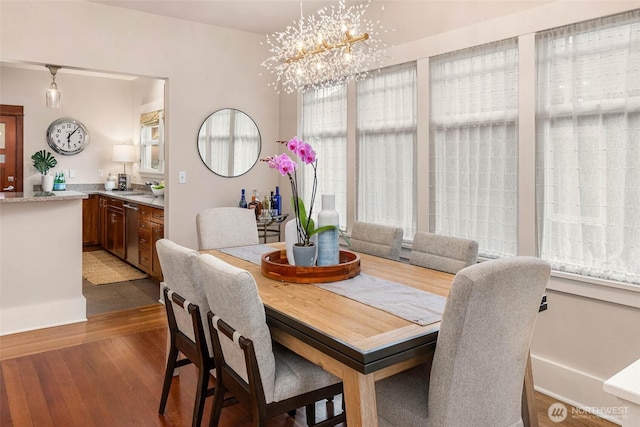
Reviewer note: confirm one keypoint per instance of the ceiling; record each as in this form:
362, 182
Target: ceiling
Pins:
406, 20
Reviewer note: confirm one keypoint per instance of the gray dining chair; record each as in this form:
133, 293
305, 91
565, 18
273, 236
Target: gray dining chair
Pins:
226, 227
477, 374
378, 240
187, 307
444, 253
271, 379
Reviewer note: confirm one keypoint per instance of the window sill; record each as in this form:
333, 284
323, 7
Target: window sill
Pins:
151, 174
600, 289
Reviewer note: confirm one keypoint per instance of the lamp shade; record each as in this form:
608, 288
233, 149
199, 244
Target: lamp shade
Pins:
124, 153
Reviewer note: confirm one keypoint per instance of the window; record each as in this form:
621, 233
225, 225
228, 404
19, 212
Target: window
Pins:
588, 147
386, 140
324, 126
473, 146
152, 142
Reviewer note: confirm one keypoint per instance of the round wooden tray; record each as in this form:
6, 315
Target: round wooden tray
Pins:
275, 266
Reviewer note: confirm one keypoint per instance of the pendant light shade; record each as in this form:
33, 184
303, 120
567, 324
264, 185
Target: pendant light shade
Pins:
52, 95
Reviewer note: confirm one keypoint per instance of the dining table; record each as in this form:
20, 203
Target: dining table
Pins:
357, 342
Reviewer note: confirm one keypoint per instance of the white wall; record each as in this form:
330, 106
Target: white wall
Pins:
103, 105
205, 71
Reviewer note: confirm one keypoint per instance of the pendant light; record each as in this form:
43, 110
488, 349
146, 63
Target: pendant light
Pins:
53, 94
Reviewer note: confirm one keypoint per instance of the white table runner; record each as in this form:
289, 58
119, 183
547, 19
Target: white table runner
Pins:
414, 305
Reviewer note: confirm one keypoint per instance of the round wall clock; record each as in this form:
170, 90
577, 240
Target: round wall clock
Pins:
67, 136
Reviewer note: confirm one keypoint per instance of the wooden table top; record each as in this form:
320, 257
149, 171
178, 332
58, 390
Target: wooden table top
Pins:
360, 336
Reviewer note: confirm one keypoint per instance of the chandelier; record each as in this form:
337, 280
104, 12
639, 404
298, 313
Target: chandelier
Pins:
329, 48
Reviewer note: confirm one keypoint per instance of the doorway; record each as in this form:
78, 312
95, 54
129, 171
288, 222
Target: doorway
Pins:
11, 148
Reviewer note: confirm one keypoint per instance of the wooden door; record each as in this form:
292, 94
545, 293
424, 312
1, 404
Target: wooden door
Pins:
11, 148
90, 221
118, 228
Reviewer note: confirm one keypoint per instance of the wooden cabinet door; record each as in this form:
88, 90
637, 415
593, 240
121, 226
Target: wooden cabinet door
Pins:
90, 221
157, 233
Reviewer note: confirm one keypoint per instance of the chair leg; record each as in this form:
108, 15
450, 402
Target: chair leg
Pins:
201, 395
168, 376
218, 403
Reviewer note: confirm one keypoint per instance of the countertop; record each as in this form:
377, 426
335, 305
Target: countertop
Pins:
139, 197
40, 196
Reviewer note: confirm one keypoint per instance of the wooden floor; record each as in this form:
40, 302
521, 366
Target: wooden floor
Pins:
108, 372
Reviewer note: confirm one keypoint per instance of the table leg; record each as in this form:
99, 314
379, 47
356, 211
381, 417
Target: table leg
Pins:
529, 414
360, 399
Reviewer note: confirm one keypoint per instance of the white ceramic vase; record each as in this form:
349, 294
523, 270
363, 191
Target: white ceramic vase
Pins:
47, 183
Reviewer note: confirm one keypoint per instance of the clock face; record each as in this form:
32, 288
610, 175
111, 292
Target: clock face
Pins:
67, 136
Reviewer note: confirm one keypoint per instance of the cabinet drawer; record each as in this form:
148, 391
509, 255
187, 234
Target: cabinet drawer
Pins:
143, 225
116, 203
144, 238
157, 216
144, 257
145, 212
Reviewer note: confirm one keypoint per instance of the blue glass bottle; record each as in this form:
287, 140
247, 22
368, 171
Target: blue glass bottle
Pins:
278, 200
243, 201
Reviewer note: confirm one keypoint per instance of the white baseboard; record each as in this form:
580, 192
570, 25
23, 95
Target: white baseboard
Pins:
45, 315
578, 389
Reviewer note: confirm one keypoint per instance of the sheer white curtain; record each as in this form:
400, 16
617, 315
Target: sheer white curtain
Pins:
324, 126
213, 142
473, 146
386, 138
588, 147
245, 142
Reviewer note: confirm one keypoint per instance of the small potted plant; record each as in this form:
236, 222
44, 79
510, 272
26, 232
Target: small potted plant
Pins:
43, 161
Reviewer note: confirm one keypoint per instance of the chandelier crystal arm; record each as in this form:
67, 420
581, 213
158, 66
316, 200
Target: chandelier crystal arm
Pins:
348, 41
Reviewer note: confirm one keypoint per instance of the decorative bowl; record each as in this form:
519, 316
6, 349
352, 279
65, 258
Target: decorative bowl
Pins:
157, 191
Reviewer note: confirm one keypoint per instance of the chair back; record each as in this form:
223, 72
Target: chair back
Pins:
226, 227
479, 363
181, 277
444, 253
378, 240
233, 297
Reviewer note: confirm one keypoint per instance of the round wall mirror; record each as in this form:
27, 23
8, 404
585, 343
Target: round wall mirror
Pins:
229, 142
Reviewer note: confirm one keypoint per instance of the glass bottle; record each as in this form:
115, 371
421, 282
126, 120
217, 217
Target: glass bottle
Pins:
274, 209
278, 201
253, 204
243, 200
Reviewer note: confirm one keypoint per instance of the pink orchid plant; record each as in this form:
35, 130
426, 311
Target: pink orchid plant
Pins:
287, 167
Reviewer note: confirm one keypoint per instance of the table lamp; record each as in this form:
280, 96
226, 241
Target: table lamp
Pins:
126, 154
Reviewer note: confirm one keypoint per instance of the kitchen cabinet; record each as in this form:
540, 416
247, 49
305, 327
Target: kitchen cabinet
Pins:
112, 226
150, 230
91, 220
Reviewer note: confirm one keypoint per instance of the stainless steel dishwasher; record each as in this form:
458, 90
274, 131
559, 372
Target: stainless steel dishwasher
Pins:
131, 230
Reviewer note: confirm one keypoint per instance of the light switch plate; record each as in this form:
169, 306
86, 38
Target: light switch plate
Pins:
182, 177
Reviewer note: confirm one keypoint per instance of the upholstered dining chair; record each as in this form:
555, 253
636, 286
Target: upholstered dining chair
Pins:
226, 227
378, 240
186, 305
271, 379
477, 374
444, 253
